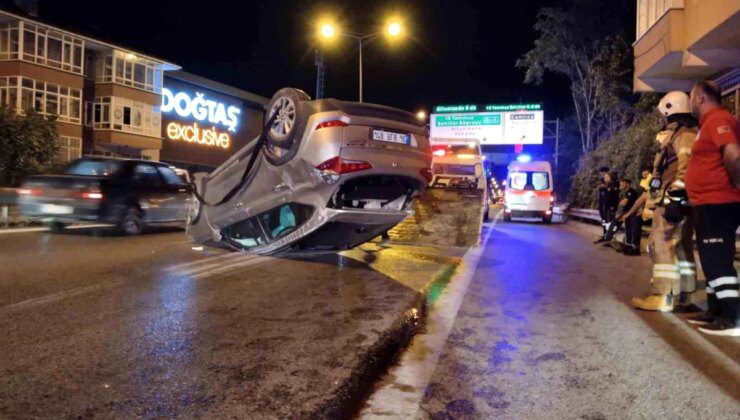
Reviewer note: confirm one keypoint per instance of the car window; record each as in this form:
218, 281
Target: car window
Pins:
518, 180
170, 176
145, 174
282, 220
94, 168
540, 181
246, 233
451, 169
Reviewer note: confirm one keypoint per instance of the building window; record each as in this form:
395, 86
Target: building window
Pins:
21, 93
70, 148
649, 13
122, 114
129, 70
41, 45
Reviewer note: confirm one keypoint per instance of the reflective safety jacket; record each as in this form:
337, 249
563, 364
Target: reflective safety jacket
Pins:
672, 160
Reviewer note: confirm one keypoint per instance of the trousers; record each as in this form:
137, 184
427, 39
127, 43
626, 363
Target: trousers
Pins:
716, 225
670, 247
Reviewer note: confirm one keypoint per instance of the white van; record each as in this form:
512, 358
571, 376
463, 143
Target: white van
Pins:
529, 190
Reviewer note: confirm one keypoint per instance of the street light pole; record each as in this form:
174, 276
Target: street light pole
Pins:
360, 39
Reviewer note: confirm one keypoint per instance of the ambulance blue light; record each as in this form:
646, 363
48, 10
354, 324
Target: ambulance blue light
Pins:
524, 158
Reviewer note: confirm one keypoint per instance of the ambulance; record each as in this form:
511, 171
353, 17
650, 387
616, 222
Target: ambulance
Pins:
529, 190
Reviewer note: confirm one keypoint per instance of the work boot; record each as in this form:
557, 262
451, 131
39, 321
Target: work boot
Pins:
702, 319
721, 326
660, 303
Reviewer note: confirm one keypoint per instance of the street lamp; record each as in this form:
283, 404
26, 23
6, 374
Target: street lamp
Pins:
393, 30
421, 115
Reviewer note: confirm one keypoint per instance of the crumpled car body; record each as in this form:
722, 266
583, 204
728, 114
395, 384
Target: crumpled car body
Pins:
349, 175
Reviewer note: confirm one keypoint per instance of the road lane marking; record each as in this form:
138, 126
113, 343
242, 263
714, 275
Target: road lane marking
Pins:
207, 260
55, 297
401, 397
246, 262
46, 229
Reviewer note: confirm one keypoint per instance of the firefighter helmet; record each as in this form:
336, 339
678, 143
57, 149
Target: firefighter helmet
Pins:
675, 102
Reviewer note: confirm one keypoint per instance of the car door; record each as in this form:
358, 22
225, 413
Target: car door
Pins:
151, 192
178, 192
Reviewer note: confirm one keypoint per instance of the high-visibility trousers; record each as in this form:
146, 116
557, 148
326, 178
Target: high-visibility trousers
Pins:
671, 249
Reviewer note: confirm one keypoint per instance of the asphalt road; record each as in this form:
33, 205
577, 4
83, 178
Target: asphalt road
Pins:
99, 325
546, 331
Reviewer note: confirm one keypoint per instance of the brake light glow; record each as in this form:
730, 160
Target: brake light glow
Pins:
427, 174
332, 123
439, 152
338, 165
92, 195
552, 198
28, 191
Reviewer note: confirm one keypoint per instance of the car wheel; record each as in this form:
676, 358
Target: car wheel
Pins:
131, 223
283, 135
57, 227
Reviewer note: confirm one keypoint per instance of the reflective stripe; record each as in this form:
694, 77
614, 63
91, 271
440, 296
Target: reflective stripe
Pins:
687, 272
724, 294
710, 291
686, 264
666, 275
722, 281
665, 267
679, 184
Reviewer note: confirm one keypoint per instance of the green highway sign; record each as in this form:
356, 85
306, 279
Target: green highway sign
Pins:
467, 120
455, 108
514, 107
448, 109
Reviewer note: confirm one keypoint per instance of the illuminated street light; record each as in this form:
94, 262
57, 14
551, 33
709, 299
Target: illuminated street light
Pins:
328, 31
421, 115
394, 29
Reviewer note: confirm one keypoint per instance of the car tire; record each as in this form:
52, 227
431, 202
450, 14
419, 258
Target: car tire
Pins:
57, 227
283, 135
132, 222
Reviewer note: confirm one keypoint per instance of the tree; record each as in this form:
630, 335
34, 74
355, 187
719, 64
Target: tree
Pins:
584, 43
28, 145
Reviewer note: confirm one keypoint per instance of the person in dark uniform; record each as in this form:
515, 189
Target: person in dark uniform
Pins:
608, 190
633, 222
627, 198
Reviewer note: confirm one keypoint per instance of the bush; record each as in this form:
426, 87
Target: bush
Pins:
28, 145
626, 153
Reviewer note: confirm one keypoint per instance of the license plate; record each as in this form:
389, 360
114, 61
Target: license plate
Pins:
55, 209
391, 137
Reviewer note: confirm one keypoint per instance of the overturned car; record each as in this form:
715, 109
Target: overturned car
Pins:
324, 175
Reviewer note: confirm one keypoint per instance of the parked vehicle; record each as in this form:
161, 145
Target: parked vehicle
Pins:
128, 193
529, 190
326, 174
458, 165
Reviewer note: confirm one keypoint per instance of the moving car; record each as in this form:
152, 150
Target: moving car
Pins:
529, 191
325, 174
458, 164
128, 193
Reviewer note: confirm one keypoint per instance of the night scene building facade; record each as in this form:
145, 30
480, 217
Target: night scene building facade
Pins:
112, 101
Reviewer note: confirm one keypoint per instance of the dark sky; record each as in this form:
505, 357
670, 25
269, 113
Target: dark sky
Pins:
457, 51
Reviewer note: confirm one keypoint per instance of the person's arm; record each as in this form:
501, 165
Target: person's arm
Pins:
731, 160
683, 151
638, 203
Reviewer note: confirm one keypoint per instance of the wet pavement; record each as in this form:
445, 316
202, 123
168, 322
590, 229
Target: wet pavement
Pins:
545, 330
98, 325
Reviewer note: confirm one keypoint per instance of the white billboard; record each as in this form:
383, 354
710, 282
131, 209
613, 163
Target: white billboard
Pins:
490, 128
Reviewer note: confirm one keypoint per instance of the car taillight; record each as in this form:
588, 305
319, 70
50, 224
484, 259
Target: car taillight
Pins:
92, 195
439, 152
28, 191
427, 174
552, 198
338, 165
333, 123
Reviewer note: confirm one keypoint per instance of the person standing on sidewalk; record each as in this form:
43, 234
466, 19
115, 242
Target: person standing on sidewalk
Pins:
713, 184
608, 190
633, 222
669, 245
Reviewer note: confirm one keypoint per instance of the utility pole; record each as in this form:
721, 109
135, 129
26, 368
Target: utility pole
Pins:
557, 142
319, 61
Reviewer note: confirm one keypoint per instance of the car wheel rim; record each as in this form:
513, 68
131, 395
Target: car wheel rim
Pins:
285, 118
132, 225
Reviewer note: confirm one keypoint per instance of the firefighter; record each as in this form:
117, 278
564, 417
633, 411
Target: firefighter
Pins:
670, 244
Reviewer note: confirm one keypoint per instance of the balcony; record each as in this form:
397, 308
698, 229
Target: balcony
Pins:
688, 41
